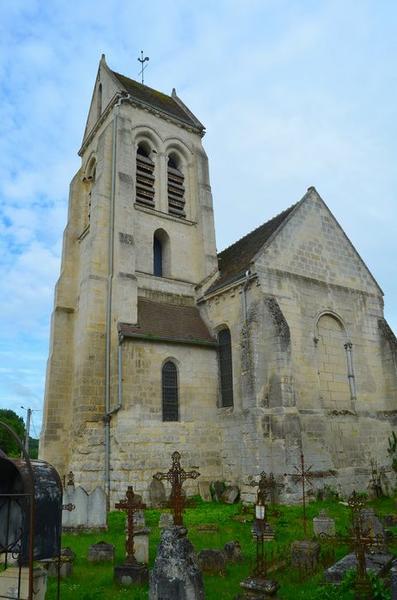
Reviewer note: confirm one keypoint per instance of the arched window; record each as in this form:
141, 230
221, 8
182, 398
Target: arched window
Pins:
225, 367
333, 363
170, 392
161, 254
175, 186
144, 176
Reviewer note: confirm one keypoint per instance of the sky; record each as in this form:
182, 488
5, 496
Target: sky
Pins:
293, 93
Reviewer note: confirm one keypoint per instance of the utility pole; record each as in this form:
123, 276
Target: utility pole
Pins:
27, 428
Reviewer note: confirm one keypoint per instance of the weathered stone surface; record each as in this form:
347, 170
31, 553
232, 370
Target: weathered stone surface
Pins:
157, 494
258, 588
131, 574
9, 583
101, 552
212, 561
305, 555
204, 490
176, 574
231, 494
217, 488
379, 563
232, 551
372, 525
141, 545
323, 525
393, 577
96, 509
166, 520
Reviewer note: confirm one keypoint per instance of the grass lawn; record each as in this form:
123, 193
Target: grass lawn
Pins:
94, 582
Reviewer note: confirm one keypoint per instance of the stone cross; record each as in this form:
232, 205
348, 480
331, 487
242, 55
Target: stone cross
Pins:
176, 476
303, 475
130, 504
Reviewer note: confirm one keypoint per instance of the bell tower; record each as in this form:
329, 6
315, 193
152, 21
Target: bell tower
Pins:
140, 225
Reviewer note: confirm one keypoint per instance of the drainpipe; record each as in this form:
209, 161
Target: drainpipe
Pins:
350, 373
108, 331
245, 286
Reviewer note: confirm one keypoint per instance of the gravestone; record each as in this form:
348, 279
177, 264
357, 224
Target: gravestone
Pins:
157, 496
166, 520
204, 490
141, 545
176, 574
323, 525
212, 561
305, 555
371, 524
379, 563
101, 552
139, 520
217, 488
231, 494
258, 588
232, 551
77, 518
96, 509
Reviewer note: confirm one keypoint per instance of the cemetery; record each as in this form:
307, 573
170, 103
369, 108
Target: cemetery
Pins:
210, 546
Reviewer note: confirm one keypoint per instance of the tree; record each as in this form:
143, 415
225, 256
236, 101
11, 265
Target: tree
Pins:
7, 442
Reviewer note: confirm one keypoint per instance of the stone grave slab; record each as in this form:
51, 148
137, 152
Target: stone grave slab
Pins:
258, 588
232, 551
305, 555
204, 490
212, 561
231, 494
96, 510
157, 495
217, 488
378, 563
176, 574
101, 552
323, 525
141, 545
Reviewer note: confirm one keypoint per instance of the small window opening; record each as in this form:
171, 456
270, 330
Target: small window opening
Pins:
99, 101
157, 257
144, 176
176, 189
170, 392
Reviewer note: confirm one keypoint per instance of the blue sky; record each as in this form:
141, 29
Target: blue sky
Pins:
293, 94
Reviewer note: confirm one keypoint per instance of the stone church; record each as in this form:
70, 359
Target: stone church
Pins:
239, 359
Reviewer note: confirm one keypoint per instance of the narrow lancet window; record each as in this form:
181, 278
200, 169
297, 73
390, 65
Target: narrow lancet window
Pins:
176, 189
144, 176
225, 367
157, 257
170, 392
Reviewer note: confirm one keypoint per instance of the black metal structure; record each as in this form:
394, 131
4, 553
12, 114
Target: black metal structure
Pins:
170, 392
30, 513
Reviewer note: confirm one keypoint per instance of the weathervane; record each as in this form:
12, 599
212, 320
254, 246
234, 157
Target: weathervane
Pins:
142, 61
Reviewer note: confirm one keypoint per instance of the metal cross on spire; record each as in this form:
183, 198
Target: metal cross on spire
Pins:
303, 475
143, 66
130, 504
176, 476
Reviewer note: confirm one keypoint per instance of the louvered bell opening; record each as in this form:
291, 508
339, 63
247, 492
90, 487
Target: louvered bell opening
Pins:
170, 392
144, 180
176, 192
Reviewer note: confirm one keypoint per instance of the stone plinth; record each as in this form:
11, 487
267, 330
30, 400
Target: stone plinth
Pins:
257, 588
323, 525
378, 563
101, 552
9, 583
130, 574
305, 555
176, 574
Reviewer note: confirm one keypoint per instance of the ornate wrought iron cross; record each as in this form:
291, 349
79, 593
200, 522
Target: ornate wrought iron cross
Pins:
303, 475
177, 476
130, 505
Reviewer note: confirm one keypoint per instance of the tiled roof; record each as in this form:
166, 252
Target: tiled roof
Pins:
165, 104
158, 321
235, 260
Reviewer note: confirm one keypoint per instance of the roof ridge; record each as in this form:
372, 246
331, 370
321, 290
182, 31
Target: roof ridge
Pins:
143, 85
286, 210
